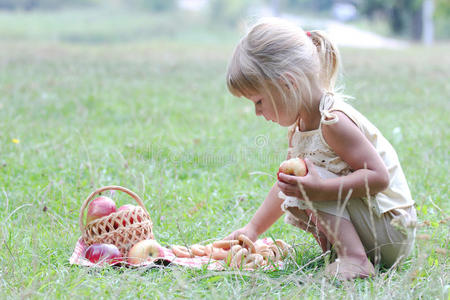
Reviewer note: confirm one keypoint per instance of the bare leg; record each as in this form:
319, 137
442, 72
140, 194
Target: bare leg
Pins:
353, 261
307, 222
320, 236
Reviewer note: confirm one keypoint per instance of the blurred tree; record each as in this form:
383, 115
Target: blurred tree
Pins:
442, 8
42, 4
404, 16
228, 12
154, 5
442, 18
311, 5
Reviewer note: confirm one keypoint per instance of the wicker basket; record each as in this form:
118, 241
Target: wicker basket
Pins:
122, 228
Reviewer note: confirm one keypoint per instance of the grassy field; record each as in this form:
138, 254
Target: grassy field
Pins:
92, 98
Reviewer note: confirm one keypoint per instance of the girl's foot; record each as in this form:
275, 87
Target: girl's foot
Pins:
348, 268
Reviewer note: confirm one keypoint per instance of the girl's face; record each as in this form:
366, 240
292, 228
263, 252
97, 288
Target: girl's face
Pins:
264, 107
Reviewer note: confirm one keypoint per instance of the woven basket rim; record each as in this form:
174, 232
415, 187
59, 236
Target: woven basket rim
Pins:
118, 230
115, 214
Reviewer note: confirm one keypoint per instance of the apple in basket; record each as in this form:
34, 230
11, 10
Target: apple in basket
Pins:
143, 251
98, 253
294, 166
100, 207
128, 207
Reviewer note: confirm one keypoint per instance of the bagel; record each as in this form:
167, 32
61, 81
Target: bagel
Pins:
232, 252
198, 250
247, 243
259, 260
238, 258
208, 250
254, 257
250, 266
261, 247
254, 261
219, 254
236, 248
181, 251
284, 247
225, 244
276, 252
267, 254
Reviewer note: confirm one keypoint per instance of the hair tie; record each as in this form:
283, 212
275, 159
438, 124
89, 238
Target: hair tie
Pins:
308, 33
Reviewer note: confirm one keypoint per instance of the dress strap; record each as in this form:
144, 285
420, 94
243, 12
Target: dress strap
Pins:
326, 102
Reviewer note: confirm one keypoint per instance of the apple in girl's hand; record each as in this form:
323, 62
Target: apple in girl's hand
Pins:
100, 207
294, 166
143, 251
103, 253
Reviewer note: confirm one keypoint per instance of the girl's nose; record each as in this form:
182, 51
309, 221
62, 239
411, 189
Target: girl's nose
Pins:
257, 112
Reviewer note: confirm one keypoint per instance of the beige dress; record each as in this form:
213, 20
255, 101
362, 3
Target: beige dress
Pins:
385, 222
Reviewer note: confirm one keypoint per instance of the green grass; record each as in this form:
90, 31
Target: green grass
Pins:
151, 113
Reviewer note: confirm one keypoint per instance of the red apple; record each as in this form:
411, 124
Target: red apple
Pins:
100, 207
99, 253
294, 166
127, 207
143, 251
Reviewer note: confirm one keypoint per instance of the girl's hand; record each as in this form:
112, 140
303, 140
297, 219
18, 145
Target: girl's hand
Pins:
247, 230
311, 184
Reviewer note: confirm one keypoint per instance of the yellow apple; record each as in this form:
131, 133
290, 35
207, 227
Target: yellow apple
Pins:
294, 166
143, 251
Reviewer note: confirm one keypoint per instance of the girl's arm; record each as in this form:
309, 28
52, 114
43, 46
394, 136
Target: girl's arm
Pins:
267, 213
264, 217
347, 140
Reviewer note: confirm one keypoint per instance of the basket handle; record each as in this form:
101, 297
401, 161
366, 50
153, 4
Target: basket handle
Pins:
106, 188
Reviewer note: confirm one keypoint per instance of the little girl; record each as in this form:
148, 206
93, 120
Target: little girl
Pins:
355, 196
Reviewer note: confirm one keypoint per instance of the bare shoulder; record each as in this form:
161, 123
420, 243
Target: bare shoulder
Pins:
344, 129
348, 141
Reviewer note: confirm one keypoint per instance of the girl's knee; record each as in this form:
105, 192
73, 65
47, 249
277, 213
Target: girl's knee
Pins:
301, 219
390, 252
395, 253
326, 221
299, 214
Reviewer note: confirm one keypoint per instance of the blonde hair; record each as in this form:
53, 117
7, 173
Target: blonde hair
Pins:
278, 54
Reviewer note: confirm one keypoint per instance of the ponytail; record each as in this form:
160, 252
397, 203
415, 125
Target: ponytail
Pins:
329, 59
278, 54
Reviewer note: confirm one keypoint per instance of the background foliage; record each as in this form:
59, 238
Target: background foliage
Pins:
403, 16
